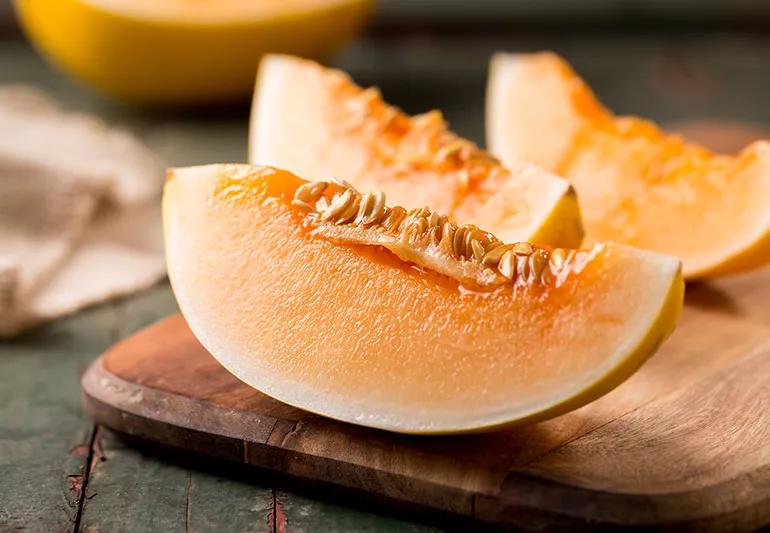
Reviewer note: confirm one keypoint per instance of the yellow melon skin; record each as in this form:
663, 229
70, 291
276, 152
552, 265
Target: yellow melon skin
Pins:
177, 52
317, 123
355, 334
637, 185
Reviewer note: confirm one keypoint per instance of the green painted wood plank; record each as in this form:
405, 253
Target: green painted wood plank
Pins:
131, 489
43, 435
128, 490
302, 514
216, 502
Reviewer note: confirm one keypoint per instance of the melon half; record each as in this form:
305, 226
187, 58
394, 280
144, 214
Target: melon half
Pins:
352, 320
317, 123
637, 185
182, 52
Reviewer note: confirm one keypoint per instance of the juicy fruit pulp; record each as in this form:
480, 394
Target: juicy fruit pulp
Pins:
335, 324
636, 184
317, 123
180, 52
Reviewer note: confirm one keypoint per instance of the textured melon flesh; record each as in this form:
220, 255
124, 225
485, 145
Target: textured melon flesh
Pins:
636, 184
353, 333
317, 123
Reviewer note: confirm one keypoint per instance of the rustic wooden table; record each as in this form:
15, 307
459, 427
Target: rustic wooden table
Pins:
59, 472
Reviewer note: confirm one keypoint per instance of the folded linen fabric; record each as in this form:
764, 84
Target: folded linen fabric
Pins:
79, 211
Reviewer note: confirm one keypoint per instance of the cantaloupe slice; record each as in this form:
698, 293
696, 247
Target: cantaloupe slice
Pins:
317, 123
326, 299
637, 185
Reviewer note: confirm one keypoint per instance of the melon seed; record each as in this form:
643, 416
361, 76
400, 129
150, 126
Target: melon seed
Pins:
507, 264
493, 256
523, 248
537, 262
478, 249
338, 204
558, 257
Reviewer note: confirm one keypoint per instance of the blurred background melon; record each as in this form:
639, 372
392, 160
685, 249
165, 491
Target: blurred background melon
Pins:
181, 52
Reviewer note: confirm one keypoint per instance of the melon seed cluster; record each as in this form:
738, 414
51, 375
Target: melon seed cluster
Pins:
422, 226
398, 137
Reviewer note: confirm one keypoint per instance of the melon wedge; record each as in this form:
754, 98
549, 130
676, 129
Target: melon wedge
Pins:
180, 52
637, 185
317, 123
311, 311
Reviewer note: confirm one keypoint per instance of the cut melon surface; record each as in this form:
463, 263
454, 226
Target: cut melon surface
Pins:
287, 301
317, 123
637, 185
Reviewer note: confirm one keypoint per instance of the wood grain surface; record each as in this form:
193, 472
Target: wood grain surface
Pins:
685, 442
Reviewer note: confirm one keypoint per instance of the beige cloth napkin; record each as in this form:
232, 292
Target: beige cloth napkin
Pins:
79, 211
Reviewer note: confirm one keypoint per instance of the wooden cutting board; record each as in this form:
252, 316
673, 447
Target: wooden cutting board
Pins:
684, 442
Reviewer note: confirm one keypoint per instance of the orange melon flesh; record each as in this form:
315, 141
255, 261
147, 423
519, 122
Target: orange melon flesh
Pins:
317, 123
637, 185
353, 333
